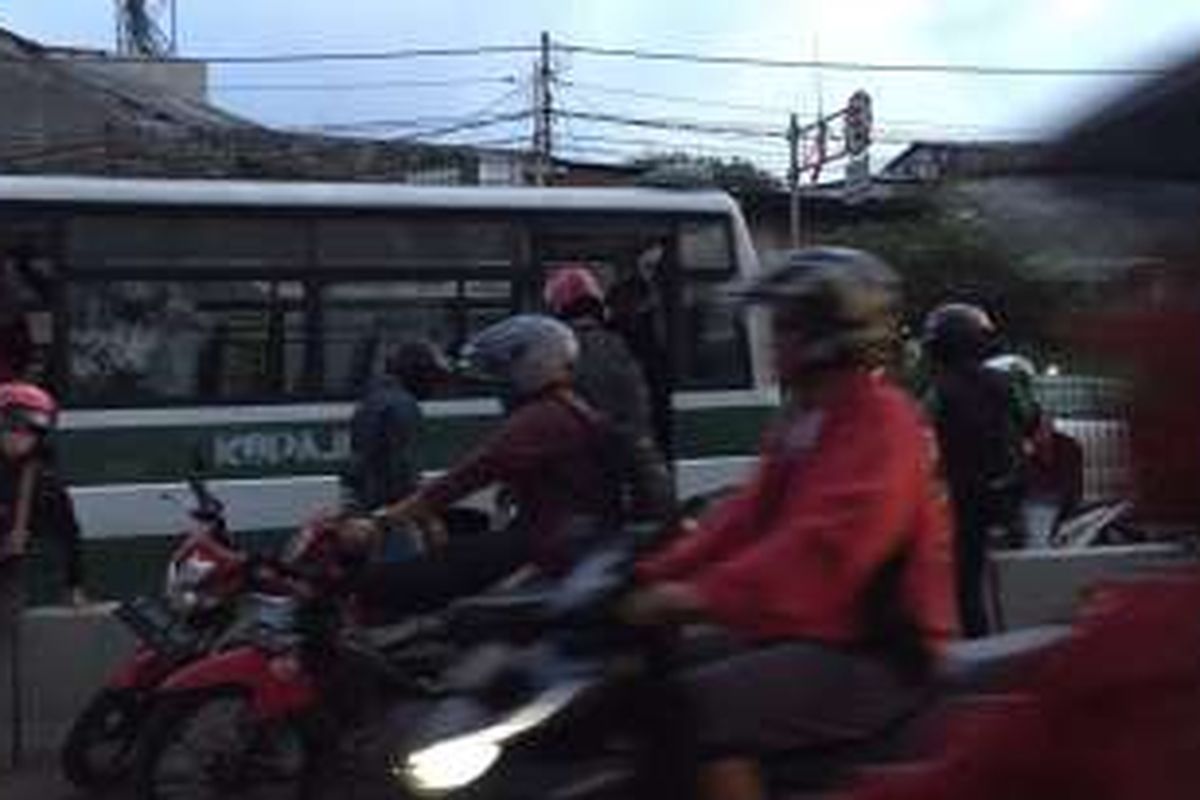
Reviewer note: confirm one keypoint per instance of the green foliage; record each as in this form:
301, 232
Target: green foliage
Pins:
948, 253
682, 170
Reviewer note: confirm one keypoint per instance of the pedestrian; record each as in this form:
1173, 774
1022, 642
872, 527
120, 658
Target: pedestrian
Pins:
971, 407
34, 508
611, 380
384, 430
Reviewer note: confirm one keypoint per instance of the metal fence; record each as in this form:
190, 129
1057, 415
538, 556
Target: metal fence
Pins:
1095, 411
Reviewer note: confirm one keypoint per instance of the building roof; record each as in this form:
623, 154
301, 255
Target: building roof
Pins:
1149, 132
939, 160
124, 95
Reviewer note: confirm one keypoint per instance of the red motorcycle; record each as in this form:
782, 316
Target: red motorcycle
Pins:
266, 715
195, 614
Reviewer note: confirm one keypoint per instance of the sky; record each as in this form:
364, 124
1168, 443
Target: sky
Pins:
421, 95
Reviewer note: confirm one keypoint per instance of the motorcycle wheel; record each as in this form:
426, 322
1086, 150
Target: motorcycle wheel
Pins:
100, 748
206, 744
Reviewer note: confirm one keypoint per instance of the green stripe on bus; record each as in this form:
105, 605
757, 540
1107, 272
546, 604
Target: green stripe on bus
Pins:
132, 455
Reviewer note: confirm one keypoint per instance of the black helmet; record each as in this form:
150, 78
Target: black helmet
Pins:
844, 300
419, 364
958, 333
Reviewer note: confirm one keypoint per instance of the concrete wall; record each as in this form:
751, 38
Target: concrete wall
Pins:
1046, 587
67, 654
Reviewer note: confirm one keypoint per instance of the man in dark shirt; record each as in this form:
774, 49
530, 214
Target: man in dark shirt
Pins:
971, 407
384, 428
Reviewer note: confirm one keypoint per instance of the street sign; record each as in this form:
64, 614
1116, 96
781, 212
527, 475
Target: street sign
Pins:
857, 120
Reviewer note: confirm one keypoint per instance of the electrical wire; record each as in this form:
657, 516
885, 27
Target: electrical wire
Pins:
417, 122
673, 98
859, 66
719, 128
297, 58
362, 85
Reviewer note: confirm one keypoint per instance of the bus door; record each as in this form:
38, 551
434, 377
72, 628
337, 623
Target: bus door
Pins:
633, 261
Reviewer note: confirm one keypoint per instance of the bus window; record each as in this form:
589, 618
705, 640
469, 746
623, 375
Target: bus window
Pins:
712, 350
145, 341
145, 241
362, 321
389, 243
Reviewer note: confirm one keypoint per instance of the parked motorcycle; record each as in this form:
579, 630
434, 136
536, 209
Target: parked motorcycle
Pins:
204, 575
543, 705
309, 682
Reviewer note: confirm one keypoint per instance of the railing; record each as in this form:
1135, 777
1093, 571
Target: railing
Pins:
1095, 411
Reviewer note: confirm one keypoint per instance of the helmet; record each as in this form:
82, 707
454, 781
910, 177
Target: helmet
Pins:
958, 332
419, 363
23, 405
844, 300
528, 352
571, 287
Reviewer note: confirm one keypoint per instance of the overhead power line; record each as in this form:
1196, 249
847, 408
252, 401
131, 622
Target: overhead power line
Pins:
859, 66
674, 98
999, 70
471, 125
481, 113
306, 58
748, 147
729, 129
362, 85
441, 126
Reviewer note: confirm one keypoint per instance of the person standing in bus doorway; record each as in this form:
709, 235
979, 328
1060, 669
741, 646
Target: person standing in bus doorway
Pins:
971, 408
639, 314
383, 431
611, 380
34, 507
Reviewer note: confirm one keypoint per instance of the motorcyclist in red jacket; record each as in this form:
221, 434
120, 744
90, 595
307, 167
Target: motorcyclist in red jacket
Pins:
833, 565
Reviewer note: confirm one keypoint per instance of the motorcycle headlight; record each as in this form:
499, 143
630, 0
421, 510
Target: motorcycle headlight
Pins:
184, 582
449, 765
457, 762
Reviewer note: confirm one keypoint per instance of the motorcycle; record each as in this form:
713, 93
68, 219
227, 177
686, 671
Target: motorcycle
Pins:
204, 575
544, 703
272, 712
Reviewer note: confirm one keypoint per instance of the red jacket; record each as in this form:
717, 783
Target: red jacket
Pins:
549, 452
840, 490
1114, 714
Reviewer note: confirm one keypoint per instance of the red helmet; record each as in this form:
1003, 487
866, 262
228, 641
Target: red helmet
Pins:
27, 406
569, 286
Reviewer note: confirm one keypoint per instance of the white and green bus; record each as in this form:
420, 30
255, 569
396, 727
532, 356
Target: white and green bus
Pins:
228, 327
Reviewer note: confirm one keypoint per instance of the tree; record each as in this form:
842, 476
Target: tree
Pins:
946, 251
682, 170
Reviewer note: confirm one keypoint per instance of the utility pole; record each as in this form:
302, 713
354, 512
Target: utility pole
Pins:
543, 114
794, 178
